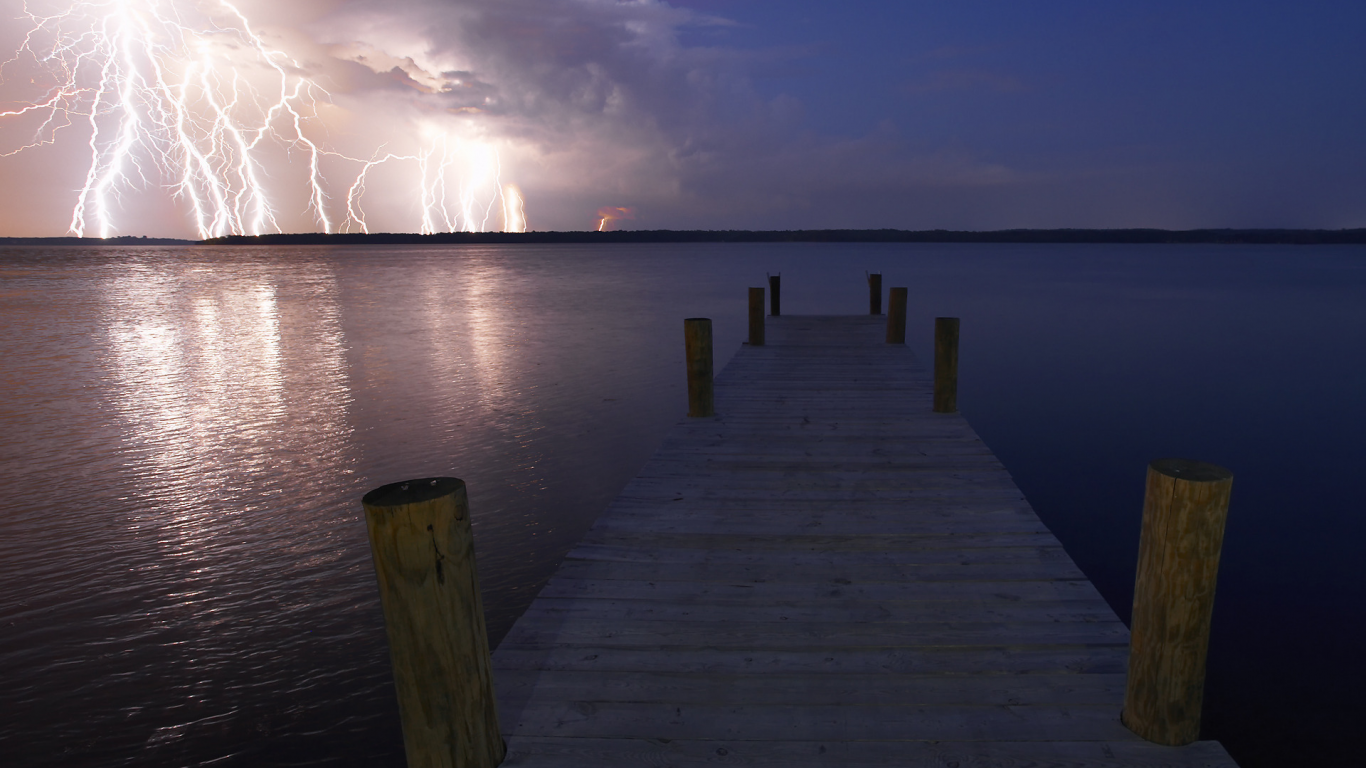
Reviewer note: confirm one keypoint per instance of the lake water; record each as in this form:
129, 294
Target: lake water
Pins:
184, 572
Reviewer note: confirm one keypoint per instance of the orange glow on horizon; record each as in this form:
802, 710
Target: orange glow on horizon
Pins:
610, 213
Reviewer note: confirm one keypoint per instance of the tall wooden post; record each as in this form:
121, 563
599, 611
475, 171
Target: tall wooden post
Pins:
697, 338
424, 559
756, 317
896, 316
946, 365
1184, 510
875, 293
774, 294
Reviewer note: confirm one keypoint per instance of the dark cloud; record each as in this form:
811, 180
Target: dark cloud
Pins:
620, 112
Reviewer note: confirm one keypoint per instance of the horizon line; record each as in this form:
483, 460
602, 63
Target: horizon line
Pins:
1137, 235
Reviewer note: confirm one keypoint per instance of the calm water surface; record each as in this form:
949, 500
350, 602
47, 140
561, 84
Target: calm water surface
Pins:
184, 573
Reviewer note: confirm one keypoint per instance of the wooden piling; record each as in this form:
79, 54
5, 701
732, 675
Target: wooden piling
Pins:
1184, 510
423, 552
896, 316
946, 365
756, 317
774, 294
875, 293
697, 338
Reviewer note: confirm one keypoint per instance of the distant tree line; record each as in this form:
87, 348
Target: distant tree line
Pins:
124, 240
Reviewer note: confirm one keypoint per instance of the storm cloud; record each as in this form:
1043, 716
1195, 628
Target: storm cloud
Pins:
765, 115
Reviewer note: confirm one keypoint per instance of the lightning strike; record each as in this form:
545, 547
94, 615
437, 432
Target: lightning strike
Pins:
609, 214
514, 209
187, 96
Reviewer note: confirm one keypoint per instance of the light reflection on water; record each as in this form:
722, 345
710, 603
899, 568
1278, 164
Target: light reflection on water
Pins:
187, 577
218, 409
188, 433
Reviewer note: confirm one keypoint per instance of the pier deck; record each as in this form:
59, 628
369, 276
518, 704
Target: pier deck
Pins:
824, 573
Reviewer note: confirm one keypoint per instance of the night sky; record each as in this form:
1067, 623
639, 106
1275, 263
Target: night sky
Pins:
757, 114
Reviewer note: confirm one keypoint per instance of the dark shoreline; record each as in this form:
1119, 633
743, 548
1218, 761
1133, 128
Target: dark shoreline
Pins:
126, 240
1142, 236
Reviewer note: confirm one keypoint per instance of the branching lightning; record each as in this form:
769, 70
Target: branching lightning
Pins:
189, 97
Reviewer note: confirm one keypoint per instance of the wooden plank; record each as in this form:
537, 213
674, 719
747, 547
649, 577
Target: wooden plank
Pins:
841, 488
828, 690
830, 524
549, 752
668, 501
817, 592
818, 473
898, 611
814, 557
577, 630
822, 543
917, 469
893, 507
944, 722
827, 573
1103, 658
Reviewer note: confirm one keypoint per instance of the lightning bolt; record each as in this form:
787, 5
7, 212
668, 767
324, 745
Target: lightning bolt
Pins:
193, 100
514, 209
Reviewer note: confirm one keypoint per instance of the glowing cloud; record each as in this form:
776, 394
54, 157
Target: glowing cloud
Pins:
608, 214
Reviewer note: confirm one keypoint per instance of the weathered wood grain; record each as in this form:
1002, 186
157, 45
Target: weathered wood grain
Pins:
539, 752
965, 555
756, 317
824, 572
896, 316
827, 573
831, 523
797, 542
698, 349
997, 690
752, 665
942, 722
946, 365
988, 608
763, 593
618, 633
1184, 511
423, 552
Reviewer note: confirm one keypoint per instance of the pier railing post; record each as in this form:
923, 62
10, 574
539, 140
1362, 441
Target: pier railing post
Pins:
946, 365
756, 317
423, 551
775, 284
1184, 509
896, 316
875, 293
697, 338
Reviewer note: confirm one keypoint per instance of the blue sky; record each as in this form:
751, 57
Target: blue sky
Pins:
1113, 114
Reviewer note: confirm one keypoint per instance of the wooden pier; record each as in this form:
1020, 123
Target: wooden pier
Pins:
824, 573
